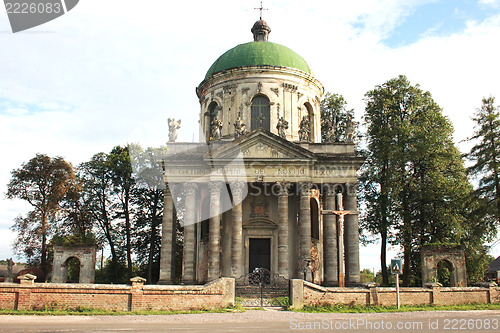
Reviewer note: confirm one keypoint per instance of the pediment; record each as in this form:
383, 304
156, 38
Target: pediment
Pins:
261, 144
259, 223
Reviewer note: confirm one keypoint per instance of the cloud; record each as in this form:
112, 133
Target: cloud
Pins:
112, 72
492, 3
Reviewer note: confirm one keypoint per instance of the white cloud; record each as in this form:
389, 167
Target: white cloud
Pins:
112, 72
493, 3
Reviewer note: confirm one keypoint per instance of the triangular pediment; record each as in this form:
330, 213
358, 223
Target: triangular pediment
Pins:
261, 144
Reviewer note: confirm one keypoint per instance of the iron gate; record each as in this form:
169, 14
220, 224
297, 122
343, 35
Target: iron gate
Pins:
261, 288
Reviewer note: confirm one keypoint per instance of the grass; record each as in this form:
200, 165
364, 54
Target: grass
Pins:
322, 308
327, 308
97, 312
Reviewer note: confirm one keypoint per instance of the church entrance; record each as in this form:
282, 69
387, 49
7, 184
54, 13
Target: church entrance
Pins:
259, 254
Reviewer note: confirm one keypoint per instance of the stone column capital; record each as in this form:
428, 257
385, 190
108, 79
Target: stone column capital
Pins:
351, 189
330, 190
237, 187
215, 187
305, 188
284, 187
190, 188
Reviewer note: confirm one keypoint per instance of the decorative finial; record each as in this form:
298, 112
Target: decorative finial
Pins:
261, 9
260, 29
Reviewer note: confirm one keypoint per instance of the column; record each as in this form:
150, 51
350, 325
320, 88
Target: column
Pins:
330, 248
189, 255
167, 251
283, 229
352, 237
214, 231
237, 230
304, 225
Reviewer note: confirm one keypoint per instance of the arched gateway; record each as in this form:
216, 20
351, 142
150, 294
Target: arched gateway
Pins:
63, 257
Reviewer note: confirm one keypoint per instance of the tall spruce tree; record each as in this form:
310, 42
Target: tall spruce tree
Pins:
485, 156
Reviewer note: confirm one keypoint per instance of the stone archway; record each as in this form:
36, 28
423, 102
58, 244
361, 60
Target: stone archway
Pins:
72, 270
453, 255
86, 255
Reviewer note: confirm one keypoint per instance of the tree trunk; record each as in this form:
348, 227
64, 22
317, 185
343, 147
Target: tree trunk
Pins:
127, 231
43, 259
383, 258
154, 224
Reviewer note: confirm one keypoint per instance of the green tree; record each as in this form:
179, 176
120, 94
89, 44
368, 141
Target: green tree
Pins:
366, 275
334, 113
414, 182
43, 182
147, 197
120, 167
97, 190
485, 155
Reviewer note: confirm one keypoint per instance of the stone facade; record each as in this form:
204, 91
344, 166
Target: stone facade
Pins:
255, 187
454, 255
86, 255
292, 95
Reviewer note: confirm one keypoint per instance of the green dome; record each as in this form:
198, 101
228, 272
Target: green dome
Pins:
256, 54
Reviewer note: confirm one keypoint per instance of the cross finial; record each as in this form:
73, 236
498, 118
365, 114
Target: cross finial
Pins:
261, 9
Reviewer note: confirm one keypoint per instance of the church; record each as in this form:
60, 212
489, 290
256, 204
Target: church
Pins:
261, 189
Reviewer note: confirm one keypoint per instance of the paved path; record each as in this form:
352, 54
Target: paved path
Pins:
261, 321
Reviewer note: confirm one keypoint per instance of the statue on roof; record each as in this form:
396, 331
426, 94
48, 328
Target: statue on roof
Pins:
282, 127
239, 127
331, 130
305, 129
216, 129
173, 127
350, 129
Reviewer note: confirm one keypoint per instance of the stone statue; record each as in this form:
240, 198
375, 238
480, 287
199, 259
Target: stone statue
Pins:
216, 128
10, 276
331, 130
282, 127
305, 130
173, 127
350, 128
239, 127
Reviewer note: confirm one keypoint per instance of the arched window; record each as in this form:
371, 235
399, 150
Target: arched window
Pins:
260, 113
213, 111
310, 113
314, 219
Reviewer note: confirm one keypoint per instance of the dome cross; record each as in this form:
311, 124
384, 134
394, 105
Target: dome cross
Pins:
261, 9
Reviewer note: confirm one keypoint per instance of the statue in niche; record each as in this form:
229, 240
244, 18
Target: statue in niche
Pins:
216, 129
173, 127
304, 129
282, 127
331, 130
239, 127
350, 129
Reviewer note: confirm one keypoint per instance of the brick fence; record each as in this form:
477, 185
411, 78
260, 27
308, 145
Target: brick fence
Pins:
305, 293
219, 293
29, 295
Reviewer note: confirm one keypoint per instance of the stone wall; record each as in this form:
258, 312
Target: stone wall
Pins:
305, 293
29, 295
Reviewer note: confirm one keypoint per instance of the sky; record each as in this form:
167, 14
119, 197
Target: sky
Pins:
112, 72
